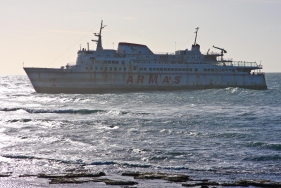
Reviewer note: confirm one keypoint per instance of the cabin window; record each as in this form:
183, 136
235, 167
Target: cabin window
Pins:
208, 70
120, 68
135, 68
176, 69
212, 70
196, 70
141, 69
101, 68
109, 62
161, 69
115, 68
157, 69
191, 70
172, 69
105, 68
117, 62
165, 69
150, 69
105, 61
123, 62
145, 69
124, 68
169, 69
110, 68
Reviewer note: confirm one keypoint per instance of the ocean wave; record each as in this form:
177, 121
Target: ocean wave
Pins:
275, 146
70, 111
264, 158
67, 111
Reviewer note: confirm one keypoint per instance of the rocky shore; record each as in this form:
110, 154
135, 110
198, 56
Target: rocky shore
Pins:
135, 179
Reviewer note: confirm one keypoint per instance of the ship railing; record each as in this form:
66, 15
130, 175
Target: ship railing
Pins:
164, 53
237, 64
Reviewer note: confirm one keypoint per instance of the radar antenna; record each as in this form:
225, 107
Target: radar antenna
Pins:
99, 43
196, 34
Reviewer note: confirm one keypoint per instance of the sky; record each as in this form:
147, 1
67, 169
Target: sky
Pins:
48, 33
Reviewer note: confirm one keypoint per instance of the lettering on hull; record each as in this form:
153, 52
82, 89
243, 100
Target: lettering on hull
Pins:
153, 79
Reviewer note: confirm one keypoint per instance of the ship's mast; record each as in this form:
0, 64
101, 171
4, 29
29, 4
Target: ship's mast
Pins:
99, 43
196, 34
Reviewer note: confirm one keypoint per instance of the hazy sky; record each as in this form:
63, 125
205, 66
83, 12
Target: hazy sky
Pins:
48, 33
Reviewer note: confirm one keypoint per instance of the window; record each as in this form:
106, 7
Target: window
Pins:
115, 68
145, 69
154, 69
150, 69
212, 70
120, 68
110, 68
124, 68
101, 68
165, 69
196, 70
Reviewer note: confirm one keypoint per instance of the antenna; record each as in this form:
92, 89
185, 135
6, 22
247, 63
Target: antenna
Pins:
196, 34
99, 43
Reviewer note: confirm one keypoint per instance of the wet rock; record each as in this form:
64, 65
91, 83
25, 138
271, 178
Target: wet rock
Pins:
177, 178
256, 183
150, 175
27, 175
71, 175
119, 182
4, 175
67, 180
202, 184
131, 173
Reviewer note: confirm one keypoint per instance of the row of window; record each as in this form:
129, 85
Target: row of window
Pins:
159, 69
123, 62
219, 70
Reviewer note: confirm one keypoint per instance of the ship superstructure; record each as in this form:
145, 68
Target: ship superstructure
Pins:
134, 67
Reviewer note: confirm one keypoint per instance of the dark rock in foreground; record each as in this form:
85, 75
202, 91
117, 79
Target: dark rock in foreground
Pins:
150, 175
71, 175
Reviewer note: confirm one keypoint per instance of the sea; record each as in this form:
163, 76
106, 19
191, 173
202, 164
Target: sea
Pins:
219, 134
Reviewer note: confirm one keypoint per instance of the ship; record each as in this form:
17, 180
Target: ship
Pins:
134, 67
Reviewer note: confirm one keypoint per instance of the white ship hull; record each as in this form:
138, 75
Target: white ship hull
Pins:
65, 81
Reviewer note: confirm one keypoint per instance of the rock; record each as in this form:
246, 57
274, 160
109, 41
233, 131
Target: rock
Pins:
256, 183
131, 173
119, 182
27, 175
4, 175
67, 180
200, 184
71, 175
177, 178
